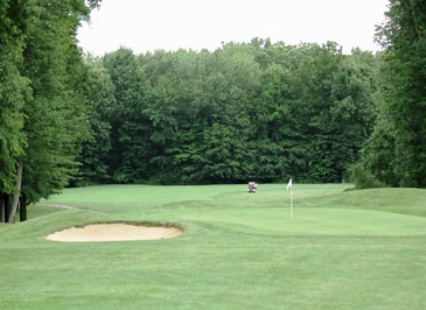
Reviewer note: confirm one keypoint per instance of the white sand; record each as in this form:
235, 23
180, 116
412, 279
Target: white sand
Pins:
113, 232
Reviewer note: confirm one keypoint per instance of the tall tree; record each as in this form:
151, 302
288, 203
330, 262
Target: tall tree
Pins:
15, 19
353, 108
129, 126
100, 102
403, 36
273, 129
313, 81
56, 121
51, 121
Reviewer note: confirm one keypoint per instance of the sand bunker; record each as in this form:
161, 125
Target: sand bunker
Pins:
114, 232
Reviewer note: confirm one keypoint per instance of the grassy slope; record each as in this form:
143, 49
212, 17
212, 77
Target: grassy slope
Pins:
342, 250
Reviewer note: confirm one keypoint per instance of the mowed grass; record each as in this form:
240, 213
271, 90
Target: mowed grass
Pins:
341, 250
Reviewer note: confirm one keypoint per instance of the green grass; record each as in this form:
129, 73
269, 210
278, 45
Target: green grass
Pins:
341, 250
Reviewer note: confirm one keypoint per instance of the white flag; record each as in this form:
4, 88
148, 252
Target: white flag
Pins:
290, 184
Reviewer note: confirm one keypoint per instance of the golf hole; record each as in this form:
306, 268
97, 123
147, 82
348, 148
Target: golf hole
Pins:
114, 232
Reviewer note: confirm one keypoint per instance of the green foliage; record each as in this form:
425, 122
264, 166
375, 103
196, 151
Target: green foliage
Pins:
378, 154
100, 102
245, 111
396, 152
15, 19
363, 178
42, 89
127, 159
55, 116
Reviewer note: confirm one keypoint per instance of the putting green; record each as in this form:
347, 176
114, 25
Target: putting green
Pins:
311, 221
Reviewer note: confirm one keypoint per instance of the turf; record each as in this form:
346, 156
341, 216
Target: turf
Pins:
341, 250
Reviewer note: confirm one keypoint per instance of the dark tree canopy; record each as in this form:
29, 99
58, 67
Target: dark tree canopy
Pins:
245, 111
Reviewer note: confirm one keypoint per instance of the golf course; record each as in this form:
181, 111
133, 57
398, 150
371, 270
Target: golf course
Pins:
340, 249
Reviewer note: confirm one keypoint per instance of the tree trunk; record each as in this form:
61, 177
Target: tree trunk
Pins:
2, 208
23, 209
15, 201
5, 203
416, 26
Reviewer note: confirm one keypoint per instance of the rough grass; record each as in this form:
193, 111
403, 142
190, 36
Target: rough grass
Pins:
342, 250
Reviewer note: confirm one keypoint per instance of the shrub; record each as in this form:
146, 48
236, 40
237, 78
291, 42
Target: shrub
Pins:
363, 178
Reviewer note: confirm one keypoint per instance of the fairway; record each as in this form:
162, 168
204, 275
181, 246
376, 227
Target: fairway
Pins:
340, 250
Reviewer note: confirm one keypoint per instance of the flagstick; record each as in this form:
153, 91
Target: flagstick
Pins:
290, 186
291, 202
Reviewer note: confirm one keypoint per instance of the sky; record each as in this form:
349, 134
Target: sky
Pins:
149, 25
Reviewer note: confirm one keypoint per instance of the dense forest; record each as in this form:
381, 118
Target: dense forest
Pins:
260, 110
248, 111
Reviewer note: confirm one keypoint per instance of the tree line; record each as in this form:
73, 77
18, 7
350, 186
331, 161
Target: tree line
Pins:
258, 111
246, 111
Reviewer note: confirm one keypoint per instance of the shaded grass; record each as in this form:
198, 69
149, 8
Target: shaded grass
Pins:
342, 250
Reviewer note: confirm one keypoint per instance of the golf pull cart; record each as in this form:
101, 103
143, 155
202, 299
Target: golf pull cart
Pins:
252, 187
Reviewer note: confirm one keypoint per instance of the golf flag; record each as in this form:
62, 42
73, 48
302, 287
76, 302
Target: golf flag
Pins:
290, 184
